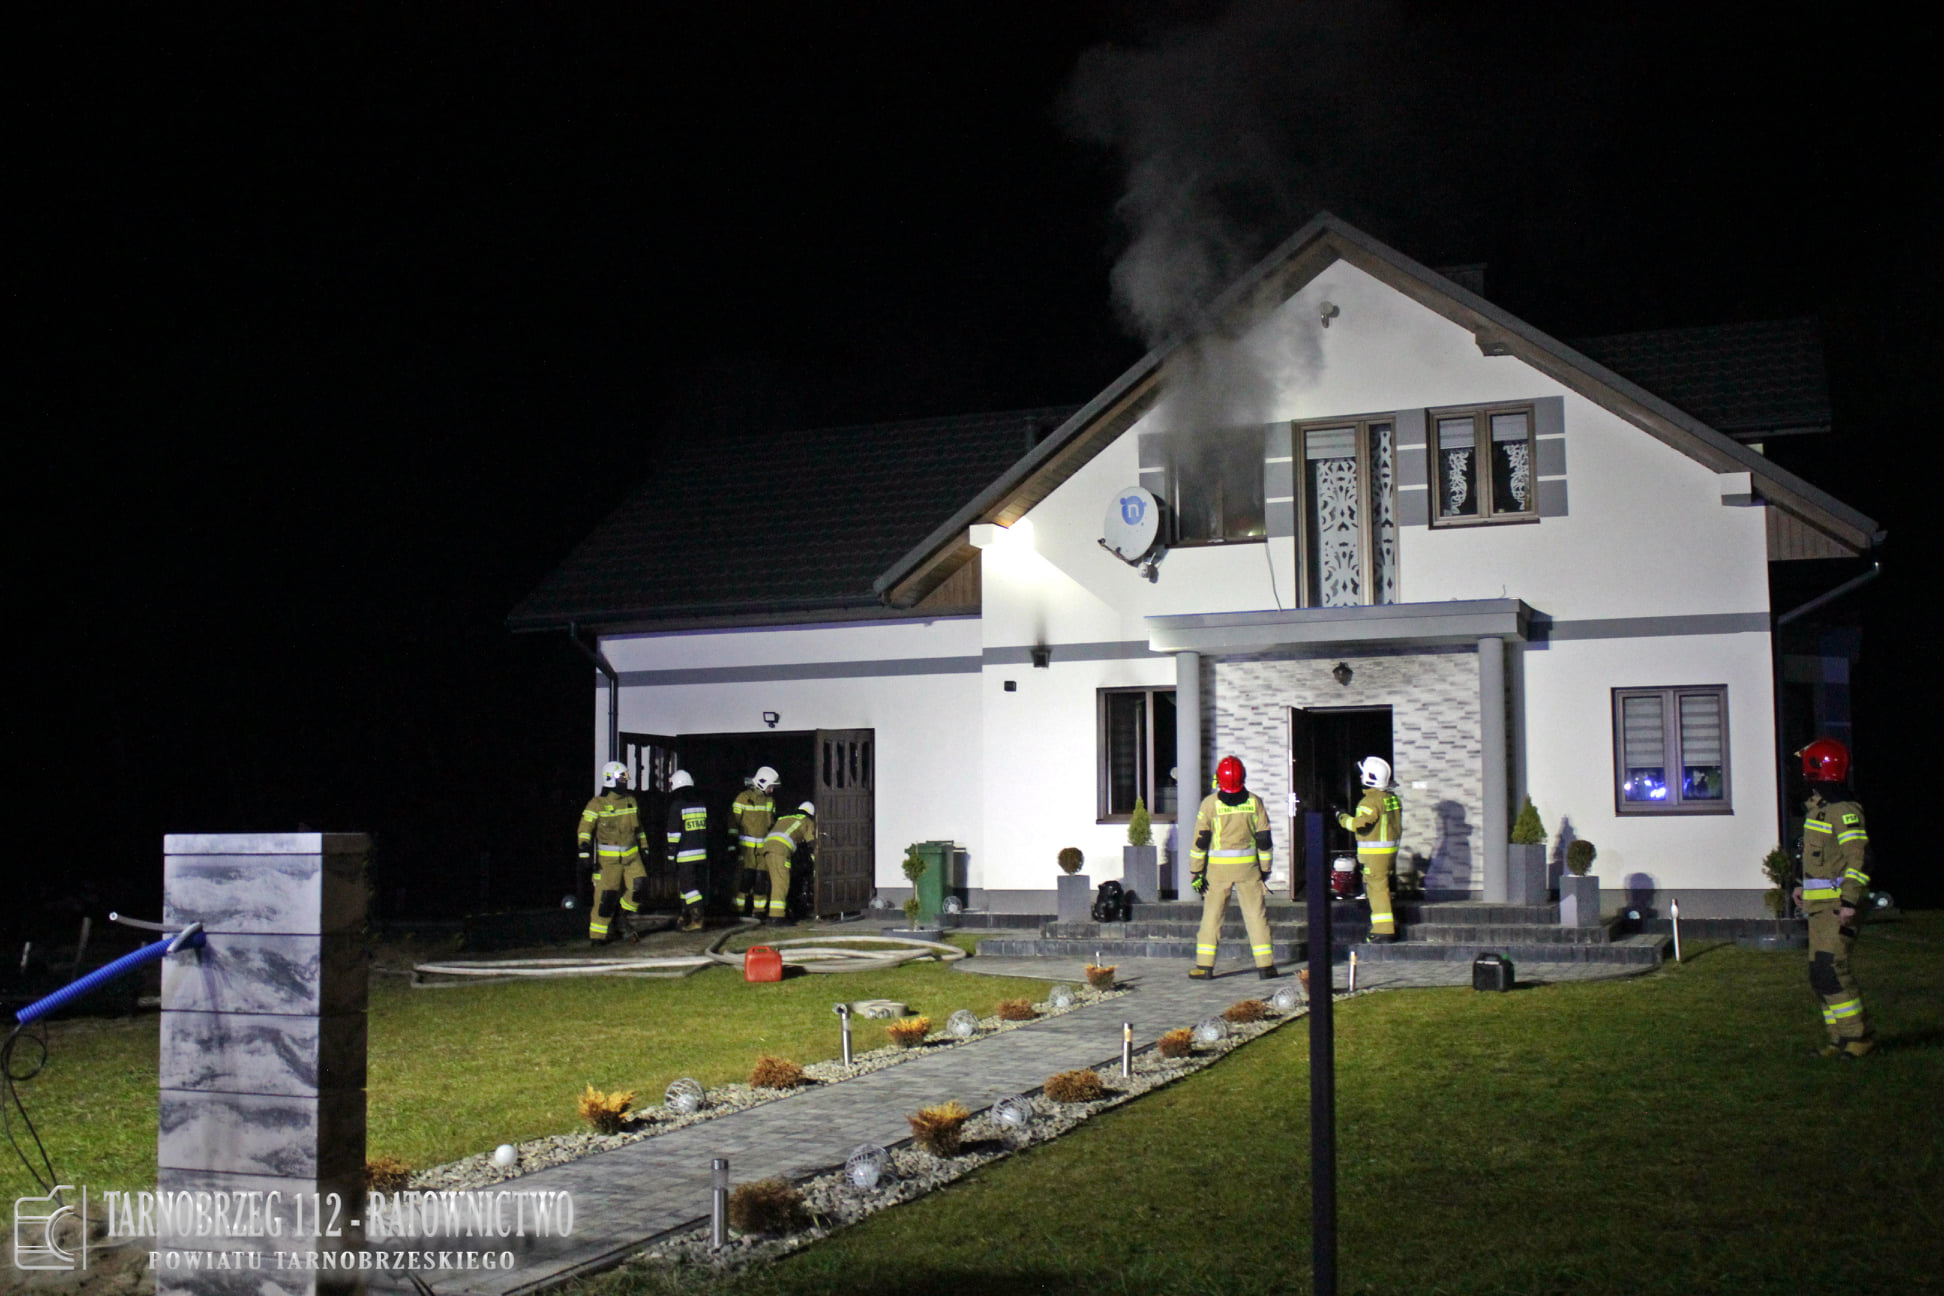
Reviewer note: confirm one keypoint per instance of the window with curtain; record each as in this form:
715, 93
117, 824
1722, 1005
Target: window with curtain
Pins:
1137, 752
1670, 750
1482, 466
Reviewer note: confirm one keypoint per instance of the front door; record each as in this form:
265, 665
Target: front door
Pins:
1325, 746
846, 819
652, 760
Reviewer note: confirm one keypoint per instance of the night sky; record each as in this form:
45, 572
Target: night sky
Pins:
338, 326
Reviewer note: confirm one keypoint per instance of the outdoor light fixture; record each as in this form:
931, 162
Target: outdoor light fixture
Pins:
1327, 312
770, 718
568, 902
953, 905
962, 1024
1061, 997
843, 1011
1014, 1113
1285, 999
684, 1097
1211, 1030
1042, 656
505, 1155
718, 1203
1341, 673
866, 1165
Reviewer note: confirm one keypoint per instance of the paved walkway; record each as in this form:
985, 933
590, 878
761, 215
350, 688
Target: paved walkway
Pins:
624, 1198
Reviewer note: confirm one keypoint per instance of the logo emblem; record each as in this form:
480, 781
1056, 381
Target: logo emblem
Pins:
36, 1219
1132, 507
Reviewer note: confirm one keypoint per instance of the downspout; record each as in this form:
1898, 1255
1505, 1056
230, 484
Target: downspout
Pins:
1775, 655
614, 691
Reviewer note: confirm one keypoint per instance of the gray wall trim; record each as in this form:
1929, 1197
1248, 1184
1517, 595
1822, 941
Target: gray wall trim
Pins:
1153, 451
1545, 630
781, 671
1549, 417
1279, 517
1394, 624
1414, 503
1551, 456
1279, 480
1552, 497
1022, 654
1410, 425
1277, 441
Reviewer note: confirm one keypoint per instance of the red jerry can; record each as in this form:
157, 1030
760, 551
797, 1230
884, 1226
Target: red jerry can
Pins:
761, 963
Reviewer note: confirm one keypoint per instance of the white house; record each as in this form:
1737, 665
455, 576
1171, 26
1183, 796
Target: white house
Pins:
1394, 520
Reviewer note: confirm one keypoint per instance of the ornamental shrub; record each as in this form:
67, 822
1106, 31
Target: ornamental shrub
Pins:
1528, 829
1140, 827
1579, 856
1071, 859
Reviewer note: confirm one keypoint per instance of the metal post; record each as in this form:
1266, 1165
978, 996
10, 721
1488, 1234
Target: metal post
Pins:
719, 1203
1127, 1049
1322, 1027
843, 1017
1676, 907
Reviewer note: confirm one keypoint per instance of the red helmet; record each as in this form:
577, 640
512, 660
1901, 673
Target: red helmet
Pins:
1825, 761
1229, 774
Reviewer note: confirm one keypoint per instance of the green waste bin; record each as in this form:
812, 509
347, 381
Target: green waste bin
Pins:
931, 887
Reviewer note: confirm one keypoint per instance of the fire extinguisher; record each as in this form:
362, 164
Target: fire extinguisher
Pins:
1343, 877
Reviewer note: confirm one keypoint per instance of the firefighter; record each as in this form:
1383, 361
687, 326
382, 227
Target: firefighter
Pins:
779, 848
688, 845
1832, 892
1231, 853
1377, 822
610, 826
750, 817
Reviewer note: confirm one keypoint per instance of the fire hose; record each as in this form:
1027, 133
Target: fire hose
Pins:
807, 952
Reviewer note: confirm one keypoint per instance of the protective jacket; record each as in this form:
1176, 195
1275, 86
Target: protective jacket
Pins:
613, 821
1378, 824
1833, 842
750, 817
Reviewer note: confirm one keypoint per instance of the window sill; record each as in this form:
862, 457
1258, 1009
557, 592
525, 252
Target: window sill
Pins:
1632, 810
1123, 820
1503, 519
1217, 544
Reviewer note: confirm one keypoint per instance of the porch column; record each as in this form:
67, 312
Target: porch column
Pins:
1493, 831
1188, 754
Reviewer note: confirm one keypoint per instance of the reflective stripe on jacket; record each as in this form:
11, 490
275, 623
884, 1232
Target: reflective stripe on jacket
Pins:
1231, 833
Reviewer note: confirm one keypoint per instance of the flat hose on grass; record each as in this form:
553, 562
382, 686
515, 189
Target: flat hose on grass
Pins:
805, 952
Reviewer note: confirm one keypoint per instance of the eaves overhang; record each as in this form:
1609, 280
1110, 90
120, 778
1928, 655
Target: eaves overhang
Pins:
1455, 623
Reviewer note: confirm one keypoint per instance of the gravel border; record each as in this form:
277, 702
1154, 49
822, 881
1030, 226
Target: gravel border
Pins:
479, 1170
834, 1203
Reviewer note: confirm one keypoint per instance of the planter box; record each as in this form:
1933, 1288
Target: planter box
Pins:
1525, 874
1076, 897
1141, 872
1579, 900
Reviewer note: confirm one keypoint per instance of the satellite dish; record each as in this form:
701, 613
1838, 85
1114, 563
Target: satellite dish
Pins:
1133, 524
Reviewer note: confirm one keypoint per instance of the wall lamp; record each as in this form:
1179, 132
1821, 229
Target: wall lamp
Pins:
1327, 312
1042, 656
1341, 674
771, 718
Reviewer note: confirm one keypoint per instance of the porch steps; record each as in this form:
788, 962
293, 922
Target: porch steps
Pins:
1455, 930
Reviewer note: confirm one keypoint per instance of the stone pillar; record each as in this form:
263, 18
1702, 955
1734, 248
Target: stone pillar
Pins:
1494, 812
262, 1071
1188, 760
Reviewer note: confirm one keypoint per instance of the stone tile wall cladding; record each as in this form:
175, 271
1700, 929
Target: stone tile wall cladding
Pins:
1433, 697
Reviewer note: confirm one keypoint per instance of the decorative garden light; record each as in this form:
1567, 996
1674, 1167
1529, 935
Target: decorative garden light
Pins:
953, 905
1061, 996
879, 902
684, 1097
1013, 1114
1285, 999
505, 1155
962, 1024
1212, 1030
843, 1017
866, 1165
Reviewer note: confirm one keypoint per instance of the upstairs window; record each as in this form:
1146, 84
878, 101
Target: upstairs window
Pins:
1670, 750
1215, 486
1482, 466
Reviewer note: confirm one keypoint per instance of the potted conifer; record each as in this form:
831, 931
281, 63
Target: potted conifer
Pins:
1140, 871
1525, 858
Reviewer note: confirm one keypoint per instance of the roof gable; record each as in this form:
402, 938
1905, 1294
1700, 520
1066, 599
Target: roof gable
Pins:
1319, 244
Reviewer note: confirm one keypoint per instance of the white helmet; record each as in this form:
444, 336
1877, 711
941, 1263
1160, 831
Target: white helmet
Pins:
613, 774
1376, 771
808, 809
765, 779
679, 779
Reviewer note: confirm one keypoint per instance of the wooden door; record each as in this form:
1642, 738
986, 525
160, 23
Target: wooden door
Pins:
846, 761
1305, 791
652, 760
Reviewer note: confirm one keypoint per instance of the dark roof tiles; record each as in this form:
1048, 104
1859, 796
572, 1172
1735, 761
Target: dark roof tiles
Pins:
1742, 379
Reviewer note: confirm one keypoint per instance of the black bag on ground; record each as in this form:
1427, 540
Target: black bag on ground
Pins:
1112, 903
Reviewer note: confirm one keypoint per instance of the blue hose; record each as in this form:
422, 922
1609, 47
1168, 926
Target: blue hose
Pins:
101, 976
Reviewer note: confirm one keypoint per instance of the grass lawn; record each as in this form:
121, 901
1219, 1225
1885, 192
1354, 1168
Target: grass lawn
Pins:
1663, 1134
459, 1071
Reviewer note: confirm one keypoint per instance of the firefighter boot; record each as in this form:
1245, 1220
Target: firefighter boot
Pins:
1200, 973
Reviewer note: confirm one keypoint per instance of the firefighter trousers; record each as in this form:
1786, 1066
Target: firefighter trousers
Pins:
750, 896
1829, 976
615, 889
1245, 880
1377, 889
776, 862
